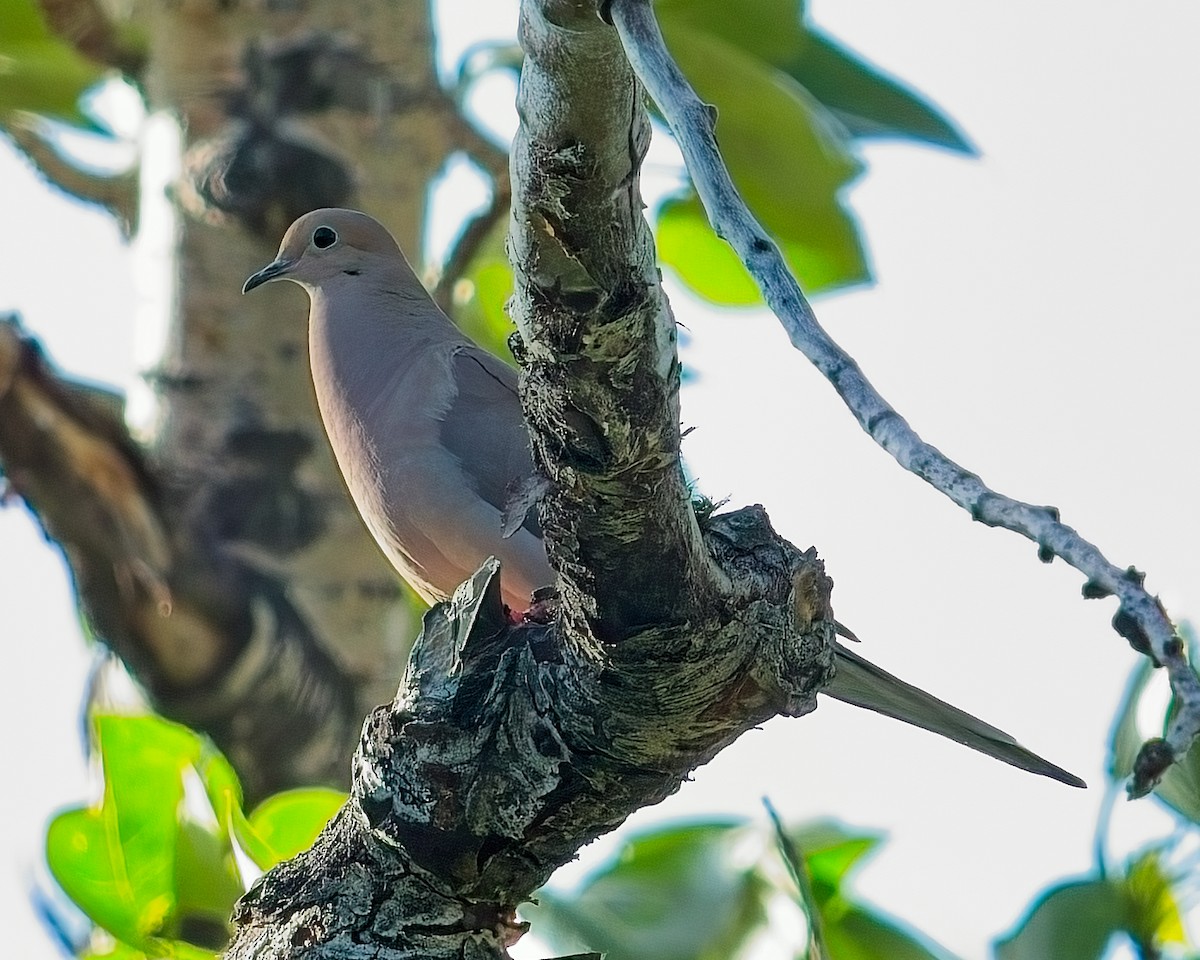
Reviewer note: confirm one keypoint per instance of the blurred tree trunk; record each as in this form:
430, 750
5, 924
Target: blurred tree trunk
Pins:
219, 556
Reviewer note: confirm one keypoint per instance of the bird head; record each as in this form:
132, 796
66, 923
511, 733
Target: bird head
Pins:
325, 244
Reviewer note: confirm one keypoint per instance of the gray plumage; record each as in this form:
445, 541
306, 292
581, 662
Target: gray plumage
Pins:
429, 435
425, 424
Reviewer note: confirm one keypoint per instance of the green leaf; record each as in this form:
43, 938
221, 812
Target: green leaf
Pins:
847, 930
868, 102
859, 934
40, 74
138, 864
1154, 915
771, 30
207, 885
674, 894
788, 158
700, 892
180, 950
117, 950
1072, 921
80, 856
830, 850
483, 293
1180, 785
1126, 740
117, 861
708, 265
289, 822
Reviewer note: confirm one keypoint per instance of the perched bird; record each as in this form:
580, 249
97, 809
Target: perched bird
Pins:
425, 424
428, 433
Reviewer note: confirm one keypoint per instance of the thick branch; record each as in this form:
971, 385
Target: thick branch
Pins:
601, 379
212, 645
508, 748
1140, 617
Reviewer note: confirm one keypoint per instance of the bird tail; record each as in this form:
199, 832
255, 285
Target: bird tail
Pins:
863, 684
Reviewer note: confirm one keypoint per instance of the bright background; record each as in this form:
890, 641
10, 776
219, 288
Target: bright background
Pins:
1035, 317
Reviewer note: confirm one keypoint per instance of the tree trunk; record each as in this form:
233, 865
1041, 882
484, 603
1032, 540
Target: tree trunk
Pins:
220, 557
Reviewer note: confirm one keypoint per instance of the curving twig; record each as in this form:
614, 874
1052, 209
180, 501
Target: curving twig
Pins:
117, 193
1140, 617
493, 161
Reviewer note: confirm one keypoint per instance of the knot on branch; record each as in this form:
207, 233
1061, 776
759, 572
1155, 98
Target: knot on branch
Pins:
509, 746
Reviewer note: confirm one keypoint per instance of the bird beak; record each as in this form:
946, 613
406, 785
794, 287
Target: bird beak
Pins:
272, 271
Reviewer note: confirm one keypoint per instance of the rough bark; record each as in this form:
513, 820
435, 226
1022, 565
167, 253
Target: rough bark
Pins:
509, 747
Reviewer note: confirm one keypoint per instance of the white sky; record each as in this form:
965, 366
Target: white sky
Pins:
1035, 317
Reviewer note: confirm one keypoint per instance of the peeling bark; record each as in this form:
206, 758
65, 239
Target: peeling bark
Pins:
509, 747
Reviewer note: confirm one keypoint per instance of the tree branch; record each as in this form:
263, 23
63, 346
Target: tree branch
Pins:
601, 381
1140, 617
494, 162
84, 25
117, 193
213, 646
509, 747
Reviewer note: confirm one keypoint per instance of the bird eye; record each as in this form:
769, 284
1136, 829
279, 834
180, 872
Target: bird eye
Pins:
324, 237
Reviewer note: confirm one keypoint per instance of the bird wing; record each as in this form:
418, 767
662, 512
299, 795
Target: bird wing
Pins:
484, 429
863, 684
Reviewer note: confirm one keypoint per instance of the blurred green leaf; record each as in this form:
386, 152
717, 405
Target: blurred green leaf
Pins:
1179, 788
790, 100
151, 864
708, 265
1126, 740
117, 861
701, 892
771, 30
1076, 920
39, 73
1154, 915
830, 850
789, 160
207, 884
868, 102
680, 893
483, 292
289, 822
78, 851
856, 933
1072, 921
116, 950
850, 931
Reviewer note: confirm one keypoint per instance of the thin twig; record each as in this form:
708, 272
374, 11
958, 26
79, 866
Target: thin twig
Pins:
117, 193
469, 242
1140, 618
494, 163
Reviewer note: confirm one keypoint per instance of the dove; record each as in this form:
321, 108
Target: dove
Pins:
428, 432
424, 423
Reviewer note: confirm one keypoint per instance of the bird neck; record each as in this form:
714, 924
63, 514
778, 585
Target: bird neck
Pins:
361, 340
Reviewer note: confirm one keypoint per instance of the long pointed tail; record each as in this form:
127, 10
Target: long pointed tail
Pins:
863, 684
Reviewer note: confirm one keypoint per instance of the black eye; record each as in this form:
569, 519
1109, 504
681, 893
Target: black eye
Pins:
324, 237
